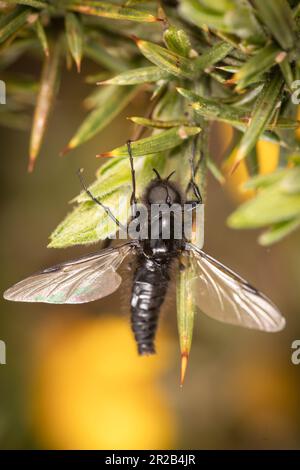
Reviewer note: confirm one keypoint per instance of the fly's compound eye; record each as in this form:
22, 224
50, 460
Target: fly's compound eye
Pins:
157, 195
163, 195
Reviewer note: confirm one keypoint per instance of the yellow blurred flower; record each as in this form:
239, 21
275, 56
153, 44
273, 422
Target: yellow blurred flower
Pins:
234, 181
91, 390
267, 157
265, 394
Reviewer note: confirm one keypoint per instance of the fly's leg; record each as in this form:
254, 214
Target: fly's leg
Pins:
194, 168
193, 227
97, 201
133, 199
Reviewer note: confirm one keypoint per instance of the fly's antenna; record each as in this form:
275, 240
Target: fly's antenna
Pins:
168, 200
157, 174
97, 201
170, 175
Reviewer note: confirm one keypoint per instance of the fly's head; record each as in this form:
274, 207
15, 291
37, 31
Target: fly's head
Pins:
162, 191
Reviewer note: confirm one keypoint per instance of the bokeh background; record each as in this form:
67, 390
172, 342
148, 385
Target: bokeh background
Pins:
73, 379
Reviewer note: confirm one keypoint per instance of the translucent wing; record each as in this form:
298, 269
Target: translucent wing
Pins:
74, 282
225, 296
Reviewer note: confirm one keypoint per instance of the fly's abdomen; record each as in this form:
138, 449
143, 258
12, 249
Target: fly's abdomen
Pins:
149, 289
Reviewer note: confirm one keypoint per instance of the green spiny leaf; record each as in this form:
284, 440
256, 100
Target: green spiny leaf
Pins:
201, 15
215, 54
12, 22
95, 51
269, 207
177, 41
75, 37
168, 61
156, 123
156, 143
278, 17
138, 76
41, 34
30, 3
186, 310
48, 89
215, 171
111, 178
214, 109
290, 184
238, 117
241, 21
257, 65
117, 99
109, 10
279, 231
263, 181
88, 223
265, 107
287, 72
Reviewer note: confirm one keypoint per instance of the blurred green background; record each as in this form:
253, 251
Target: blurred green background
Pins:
73, 379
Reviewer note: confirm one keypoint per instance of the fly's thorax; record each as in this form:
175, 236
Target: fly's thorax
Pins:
157, 222
160, 251
163, 215
162, 219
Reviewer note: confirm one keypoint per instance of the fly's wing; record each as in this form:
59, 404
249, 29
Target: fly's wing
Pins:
225, 296
74, 282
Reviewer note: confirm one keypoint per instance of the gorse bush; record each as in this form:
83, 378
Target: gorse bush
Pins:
233, 61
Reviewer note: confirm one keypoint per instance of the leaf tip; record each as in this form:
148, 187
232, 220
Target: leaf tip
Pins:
135, 39
78, 65
239, 157
65, 150
183, 92
234, 167
184, 363
31, 163
104, 155
230, 81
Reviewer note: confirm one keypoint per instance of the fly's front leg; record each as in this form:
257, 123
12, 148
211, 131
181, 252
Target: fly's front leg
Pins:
194, 168
194, 209
97, 201
133, 198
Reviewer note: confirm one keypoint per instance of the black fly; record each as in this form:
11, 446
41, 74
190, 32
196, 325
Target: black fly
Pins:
218, 291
